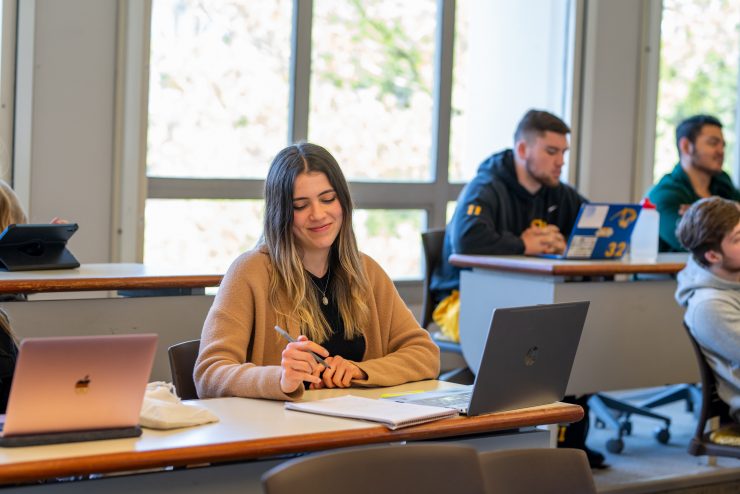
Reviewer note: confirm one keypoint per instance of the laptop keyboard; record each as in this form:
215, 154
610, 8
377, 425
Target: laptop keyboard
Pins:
458, 400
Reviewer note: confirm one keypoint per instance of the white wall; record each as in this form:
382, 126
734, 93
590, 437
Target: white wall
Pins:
70, 146
611, 85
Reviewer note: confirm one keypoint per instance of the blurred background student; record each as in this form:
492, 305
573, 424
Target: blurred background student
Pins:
8, 356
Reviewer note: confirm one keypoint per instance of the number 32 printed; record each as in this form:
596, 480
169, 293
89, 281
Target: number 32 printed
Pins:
615, 249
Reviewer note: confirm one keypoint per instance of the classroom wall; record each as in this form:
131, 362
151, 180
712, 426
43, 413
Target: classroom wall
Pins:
611, 90
72, 98
71, 146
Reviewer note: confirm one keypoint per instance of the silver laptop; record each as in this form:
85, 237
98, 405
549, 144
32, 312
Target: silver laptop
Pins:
77, 388
526, 362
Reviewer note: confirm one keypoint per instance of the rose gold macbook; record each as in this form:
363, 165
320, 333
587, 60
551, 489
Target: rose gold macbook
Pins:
78, 388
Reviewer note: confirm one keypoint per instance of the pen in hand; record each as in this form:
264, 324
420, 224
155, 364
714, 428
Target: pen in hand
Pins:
285, 335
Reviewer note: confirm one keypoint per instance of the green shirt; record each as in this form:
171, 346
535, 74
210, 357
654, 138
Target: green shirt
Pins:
675, 190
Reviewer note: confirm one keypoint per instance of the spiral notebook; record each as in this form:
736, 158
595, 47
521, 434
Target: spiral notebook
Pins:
389, 413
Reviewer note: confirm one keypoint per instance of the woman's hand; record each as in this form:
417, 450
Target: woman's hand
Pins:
298, 364
341, 372
58, 221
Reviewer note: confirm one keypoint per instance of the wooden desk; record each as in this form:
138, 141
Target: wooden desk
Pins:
97, 277
62, 302
251, 429
633, 335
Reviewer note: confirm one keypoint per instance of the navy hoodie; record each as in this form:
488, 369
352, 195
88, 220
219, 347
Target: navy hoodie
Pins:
492, 212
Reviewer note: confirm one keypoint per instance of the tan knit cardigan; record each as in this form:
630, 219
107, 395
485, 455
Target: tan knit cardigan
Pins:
240, 352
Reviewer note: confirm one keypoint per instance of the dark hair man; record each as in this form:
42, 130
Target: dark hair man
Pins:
709, 288
701, 151
516, 203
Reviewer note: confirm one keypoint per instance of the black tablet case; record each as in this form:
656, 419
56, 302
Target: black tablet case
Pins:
29, 247
68, 437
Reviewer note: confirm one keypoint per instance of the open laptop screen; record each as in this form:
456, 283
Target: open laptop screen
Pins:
602, 231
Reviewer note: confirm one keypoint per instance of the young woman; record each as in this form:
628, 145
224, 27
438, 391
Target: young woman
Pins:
308, 277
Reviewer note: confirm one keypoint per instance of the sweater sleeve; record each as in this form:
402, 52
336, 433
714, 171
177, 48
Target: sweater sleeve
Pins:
409, 354
222, 368
715, 322
474, 228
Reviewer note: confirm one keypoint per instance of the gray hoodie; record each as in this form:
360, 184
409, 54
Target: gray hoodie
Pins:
713, 316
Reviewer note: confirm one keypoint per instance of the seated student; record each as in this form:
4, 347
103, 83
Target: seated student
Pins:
516, 204
308, 276
701, 151
709, 288
11, 213
8, 356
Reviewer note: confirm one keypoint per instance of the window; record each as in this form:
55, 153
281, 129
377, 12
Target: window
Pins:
514, 69
218, 87
200, 234
232, 81
372, 75
699, 52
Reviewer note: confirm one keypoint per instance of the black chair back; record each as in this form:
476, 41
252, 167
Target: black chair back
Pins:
182, 362
711, 406
433, 242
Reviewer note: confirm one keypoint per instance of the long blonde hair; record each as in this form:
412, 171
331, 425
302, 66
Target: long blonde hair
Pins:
11, 211
348, 278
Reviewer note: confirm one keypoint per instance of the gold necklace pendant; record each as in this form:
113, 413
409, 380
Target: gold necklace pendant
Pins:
324, 298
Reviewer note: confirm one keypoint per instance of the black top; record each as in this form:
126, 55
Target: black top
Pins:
337, 344
8, 356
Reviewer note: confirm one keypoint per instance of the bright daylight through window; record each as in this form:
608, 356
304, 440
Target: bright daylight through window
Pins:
699, 52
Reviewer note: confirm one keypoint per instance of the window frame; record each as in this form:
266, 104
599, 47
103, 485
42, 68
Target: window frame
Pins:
432, 196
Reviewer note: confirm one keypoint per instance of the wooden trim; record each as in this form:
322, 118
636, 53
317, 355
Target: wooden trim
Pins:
263, 448
101, 284
521, 264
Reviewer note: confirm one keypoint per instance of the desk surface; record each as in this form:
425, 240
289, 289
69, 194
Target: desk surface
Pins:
120, 276
251, 429
666, 264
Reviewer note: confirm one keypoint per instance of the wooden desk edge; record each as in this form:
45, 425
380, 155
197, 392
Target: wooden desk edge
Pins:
103, 284
523, 265
249, 450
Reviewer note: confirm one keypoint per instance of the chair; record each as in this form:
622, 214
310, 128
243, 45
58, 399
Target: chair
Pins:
429, 468
182, 362
711, 407
617, 413
433, 243
678, 392
541, 470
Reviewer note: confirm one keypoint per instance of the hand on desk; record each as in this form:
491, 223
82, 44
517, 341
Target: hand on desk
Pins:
543, 240
340, 374
298, 364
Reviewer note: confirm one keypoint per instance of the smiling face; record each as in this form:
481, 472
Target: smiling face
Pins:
317, 213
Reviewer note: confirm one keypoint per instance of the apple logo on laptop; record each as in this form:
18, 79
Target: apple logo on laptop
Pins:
82, 386
531, 356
